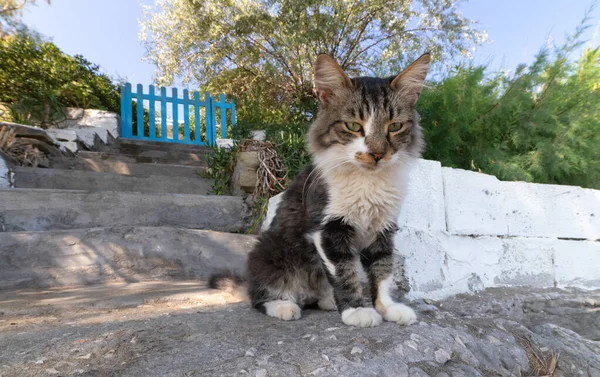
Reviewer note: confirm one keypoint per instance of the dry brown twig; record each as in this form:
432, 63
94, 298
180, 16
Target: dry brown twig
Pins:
271, 170
23, 154
541, 363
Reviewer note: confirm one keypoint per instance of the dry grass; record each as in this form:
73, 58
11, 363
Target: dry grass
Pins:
542, 364
23, 154
271, 170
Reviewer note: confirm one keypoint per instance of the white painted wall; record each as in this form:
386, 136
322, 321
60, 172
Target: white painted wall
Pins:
463, 231
5, 178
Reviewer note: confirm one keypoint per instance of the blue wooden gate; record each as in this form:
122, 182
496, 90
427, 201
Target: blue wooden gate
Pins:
201, 131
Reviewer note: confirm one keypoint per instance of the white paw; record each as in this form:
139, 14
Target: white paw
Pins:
361, 317
401, 314
283, 309
327, 304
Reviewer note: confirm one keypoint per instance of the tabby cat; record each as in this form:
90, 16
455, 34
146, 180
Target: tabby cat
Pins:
343, 207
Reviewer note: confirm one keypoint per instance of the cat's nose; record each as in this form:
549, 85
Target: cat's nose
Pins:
376, 156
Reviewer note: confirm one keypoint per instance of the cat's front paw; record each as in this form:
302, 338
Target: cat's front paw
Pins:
283, 309
401, 314
361, 317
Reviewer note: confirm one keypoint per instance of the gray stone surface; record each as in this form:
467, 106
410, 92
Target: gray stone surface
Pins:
37, 210
181, 329
127, 254
152, 156
83, 180
126, 165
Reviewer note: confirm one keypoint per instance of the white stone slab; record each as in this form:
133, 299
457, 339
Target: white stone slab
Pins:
423, 207
475, 203
577, 264
5, 176
536, 210
439, 265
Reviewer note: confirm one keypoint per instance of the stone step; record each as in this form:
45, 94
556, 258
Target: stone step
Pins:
135, 147
65, 179
116, 254
156, 157
40, 210
125, 166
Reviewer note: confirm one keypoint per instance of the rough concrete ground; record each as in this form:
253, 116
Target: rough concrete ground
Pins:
183, 329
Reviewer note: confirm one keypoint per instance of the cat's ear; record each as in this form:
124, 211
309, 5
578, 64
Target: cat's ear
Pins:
329, 78
411, 80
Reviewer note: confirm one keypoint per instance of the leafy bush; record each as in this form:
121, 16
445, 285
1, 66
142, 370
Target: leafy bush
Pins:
541, 124
37, 79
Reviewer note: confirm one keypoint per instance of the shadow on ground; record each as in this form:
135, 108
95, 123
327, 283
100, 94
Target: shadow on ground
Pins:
182, 329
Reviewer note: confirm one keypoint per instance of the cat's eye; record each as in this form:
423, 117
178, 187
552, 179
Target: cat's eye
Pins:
394, 127
353, 126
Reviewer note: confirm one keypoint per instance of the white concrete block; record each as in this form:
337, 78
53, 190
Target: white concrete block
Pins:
577, 264
423, 207
63, 135
536, 210
5, 175
526, 262
224, 143
259, 135
439, 265
69, 146
271, 210
424, 262
87, 135
474, 203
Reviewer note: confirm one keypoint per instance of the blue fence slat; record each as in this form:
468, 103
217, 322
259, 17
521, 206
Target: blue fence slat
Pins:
175, 115
140, 111
197, 127
223, 116
209, 103
125, 131
209, 119
163, 114
152, 112
186, 115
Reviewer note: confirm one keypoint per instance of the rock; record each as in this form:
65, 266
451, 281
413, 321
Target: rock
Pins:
261, 373
355, 350
248, 159
442, 356
258, 135
251, 352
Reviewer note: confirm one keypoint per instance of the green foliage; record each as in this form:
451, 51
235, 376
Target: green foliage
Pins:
10, 14
221, 162
38, 80
541, 124
264, 50
288, 140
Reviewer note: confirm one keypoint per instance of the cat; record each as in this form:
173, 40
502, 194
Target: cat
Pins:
342, 208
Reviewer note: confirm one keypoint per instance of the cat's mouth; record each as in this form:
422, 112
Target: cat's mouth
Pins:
372, 161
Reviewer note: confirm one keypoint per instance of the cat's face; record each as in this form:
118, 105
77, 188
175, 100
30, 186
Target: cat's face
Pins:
368, 122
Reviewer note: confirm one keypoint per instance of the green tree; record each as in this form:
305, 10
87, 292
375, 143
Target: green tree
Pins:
38, 79
11, 12
264, 50
541, 124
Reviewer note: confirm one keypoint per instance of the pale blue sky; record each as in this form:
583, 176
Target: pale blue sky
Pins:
106, 32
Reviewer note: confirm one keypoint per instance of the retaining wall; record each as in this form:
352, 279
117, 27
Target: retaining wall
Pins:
462, 231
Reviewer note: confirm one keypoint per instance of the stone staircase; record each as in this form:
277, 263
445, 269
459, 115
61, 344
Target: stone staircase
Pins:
129, 212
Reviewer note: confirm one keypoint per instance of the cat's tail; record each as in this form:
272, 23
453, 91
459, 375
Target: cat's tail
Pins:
230, 282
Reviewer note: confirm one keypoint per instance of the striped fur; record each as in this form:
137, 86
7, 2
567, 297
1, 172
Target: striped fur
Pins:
342, 208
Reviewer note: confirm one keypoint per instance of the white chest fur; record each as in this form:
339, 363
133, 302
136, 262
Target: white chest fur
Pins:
369, 201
